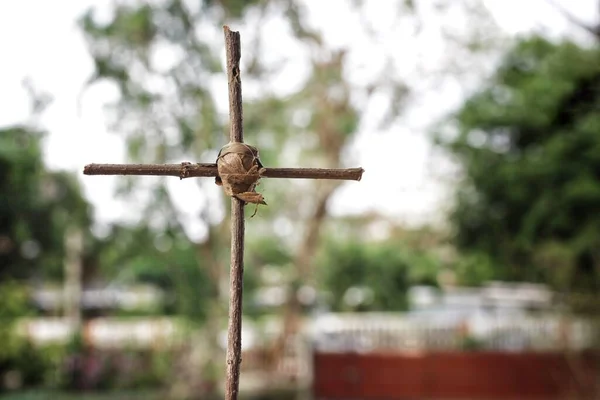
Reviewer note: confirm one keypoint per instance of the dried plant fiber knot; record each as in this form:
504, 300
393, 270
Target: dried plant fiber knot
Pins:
239, 168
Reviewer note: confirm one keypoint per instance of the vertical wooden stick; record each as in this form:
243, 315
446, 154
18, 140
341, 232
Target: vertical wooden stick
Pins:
234, 330
236, 115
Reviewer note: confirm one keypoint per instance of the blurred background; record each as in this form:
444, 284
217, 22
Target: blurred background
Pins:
465, 264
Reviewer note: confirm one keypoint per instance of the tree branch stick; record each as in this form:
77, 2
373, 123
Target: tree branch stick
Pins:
234, 79
183, 170
349, 174
236, 134
189, 170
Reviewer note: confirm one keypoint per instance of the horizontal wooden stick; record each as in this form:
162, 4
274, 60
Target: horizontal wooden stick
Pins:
350, 174
183, 170
188, 170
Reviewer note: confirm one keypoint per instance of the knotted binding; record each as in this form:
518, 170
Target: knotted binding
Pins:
240, 169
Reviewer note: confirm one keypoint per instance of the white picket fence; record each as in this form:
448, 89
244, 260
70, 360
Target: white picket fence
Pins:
105, 332
369, 332
349, 332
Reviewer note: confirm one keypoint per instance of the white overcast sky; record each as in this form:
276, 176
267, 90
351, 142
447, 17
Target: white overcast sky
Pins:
39, 39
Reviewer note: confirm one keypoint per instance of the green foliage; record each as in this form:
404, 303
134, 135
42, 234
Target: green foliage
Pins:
58, 395
529, 146
264, 252
232, 8
15, 300
13, 305
267, 251
165, 259
470, 343
385, 270
133, 27
28, 365
36, 207
20, 361
475, 269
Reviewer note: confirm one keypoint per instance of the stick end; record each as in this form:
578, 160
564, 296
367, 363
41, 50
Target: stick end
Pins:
360, 173
227, 30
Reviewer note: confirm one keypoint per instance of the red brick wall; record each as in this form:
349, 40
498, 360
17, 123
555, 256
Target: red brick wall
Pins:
455, 375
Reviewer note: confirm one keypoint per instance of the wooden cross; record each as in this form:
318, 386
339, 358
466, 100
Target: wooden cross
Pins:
247, 180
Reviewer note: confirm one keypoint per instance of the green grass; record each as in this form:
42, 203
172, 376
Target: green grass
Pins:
128, 395
52, 395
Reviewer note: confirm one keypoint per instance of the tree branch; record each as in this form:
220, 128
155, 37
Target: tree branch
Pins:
183, 170
234, 79
189, 170
594, 30
348, 174
236, 134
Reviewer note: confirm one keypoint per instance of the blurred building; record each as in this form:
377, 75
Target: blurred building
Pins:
497, 316
50, 300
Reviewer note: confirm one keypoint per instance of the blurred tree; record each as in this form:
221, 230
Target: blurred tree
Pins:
374, 276
130, 254
168, 112
166, 60
21, 364
529, 146
36, 208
